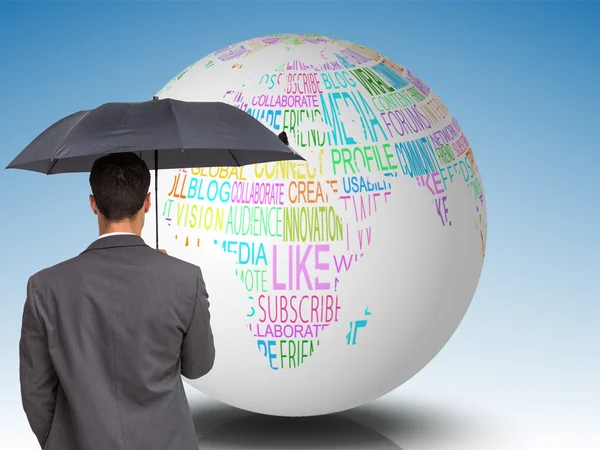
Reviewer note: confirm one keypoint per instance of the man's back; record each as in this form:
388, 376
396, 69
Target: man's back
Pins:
123, 322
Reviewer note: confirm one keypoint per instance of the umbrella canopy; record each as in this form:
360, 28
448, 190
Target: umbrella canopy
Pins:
167, 134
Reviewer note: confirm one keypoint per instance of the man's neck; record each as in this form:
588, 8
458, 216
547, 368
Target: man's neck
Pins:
116, 233
119, 228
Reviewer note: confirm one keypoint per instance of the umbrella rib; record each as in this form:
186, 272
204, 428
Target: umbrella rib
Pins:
70, 133
52, 166
234, 158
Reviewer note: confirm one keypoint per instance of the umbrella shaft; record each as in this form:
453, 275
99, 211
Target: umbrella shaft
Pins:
156, 192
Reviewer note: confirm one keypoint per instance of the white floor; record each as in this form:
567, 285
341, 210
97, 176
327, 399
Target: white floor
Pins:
402, 419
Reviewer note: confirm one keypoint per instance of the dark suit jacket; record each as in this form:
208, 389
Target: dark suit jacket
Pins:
105, 339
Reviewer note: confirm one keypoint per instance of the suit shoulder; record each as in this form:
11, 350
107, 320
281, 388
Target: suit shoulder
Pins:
51, 272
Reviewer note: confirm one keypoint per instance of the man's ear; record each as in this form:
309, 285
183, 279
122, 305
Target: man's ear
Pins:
93, 204
147, 203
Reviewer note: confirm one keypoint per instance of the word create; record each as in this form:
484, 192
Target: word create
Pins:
306, 192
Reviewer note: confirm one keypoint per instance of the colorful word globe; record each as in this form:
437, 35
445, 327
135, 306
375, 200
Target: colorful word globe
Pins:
331, 281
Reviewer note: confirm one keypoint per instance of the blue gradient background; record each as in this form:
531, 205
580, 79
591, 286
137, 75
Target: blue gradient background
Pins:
523, 370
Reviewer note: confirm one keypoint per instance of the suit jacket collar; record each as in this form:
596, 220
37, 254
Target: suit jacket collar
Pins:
119, 240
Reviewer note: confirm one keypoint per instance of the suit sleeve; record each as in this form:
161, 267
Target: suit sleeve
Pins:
198, 348
38, 378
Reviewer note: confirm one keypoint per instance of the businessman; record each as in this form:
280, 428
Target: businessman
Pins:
107, 335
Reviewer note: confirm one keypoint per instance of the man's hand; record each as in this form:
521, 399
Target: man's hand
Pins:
163, 251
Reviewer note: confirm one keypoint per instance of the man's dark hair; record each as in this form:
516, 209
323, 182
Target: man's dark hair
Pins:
119, 182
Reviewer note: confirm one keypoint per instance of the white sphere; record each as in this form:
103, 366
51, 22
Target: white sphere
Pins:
331, 282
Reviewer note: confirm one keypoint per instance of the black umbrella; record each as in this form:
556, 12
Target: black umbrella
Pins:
167, 134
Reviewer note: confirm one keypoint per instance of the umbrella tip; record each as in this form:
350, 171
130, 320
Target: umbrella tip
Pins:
284, 138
